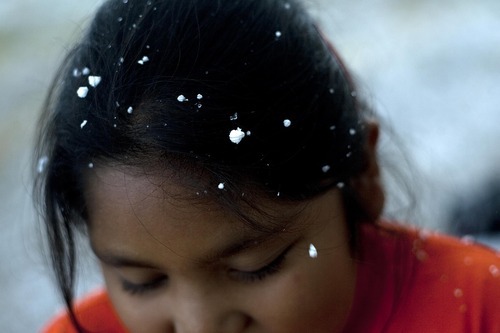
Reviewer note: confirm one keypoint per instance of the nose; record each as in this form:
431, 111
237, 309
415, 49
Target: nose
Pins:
201, 314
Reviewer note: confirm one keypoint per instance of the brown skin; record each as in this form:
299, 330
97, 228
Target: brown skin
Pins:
179, 258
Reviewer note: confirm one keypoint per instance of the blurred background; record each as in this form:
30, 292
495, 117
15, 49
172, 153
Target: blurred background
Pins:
430, 69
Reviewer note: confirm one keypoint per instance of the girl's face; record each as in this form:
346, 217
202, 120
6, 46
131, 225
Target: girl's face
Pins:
176, 265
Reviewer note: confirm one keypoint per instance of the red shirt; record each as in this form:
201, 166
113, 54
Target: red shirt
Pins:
95, 314
414, 282
408, 281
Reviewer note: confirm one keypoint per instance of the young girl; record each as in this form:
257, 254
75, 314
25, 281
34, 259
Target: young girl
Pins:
224, 169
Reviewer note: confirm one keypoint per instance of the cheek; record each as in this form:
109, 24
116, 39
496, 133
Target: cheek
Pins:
298, 305
311, 300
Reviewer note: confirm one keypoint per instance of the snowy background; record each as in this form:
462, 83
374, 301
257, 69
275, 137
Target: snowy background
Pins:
431, 69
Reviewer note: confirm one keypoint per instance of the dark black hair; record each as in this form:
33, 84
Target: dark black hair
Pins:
166, 83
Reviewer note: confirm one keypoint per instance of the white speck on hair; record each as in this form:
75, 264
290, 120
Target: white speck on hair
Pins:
221, 186
122, 59
86, 71
117, 104
82, 92
249, 133
287, 5
313, 253
236, 135
114, 125
277, 34
130, 110
325, 168
76, 72
340, 185
144, 60
199, 105
494, 271
82, 125
287, 122
94, 80
332, 91
332, 128
458, 293
91, 165
354, 93
148, 47
352, 131
120, 19
234, 116
125, 1
182, 98
199, 96
42, 164
278, 194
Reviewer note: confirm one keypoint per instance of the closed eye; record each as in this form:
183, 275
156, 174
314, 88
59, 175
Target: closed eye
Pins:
260, 274
142, 288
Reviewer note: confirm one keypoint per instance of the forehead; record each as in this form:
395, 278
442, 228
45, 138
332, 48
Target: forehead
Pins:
135, 209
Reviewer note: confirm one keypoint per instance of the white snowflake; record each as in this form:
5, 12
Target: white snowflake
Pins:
42, 164
82, 92
94, 80
313, 253
144, 60
236, 135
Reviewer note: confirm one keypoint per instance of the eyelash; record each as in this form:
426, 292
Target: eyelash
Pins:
248, 277
262, 273
142, 288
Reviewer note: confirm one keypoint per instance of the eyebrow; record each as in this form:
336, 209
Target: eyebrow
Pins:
239, 246
121, 261
111, 258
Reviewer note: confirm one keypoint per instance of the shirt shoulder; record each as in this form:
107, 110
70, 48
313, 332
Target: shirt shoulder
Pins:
94, 313
454, 285
413, 281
